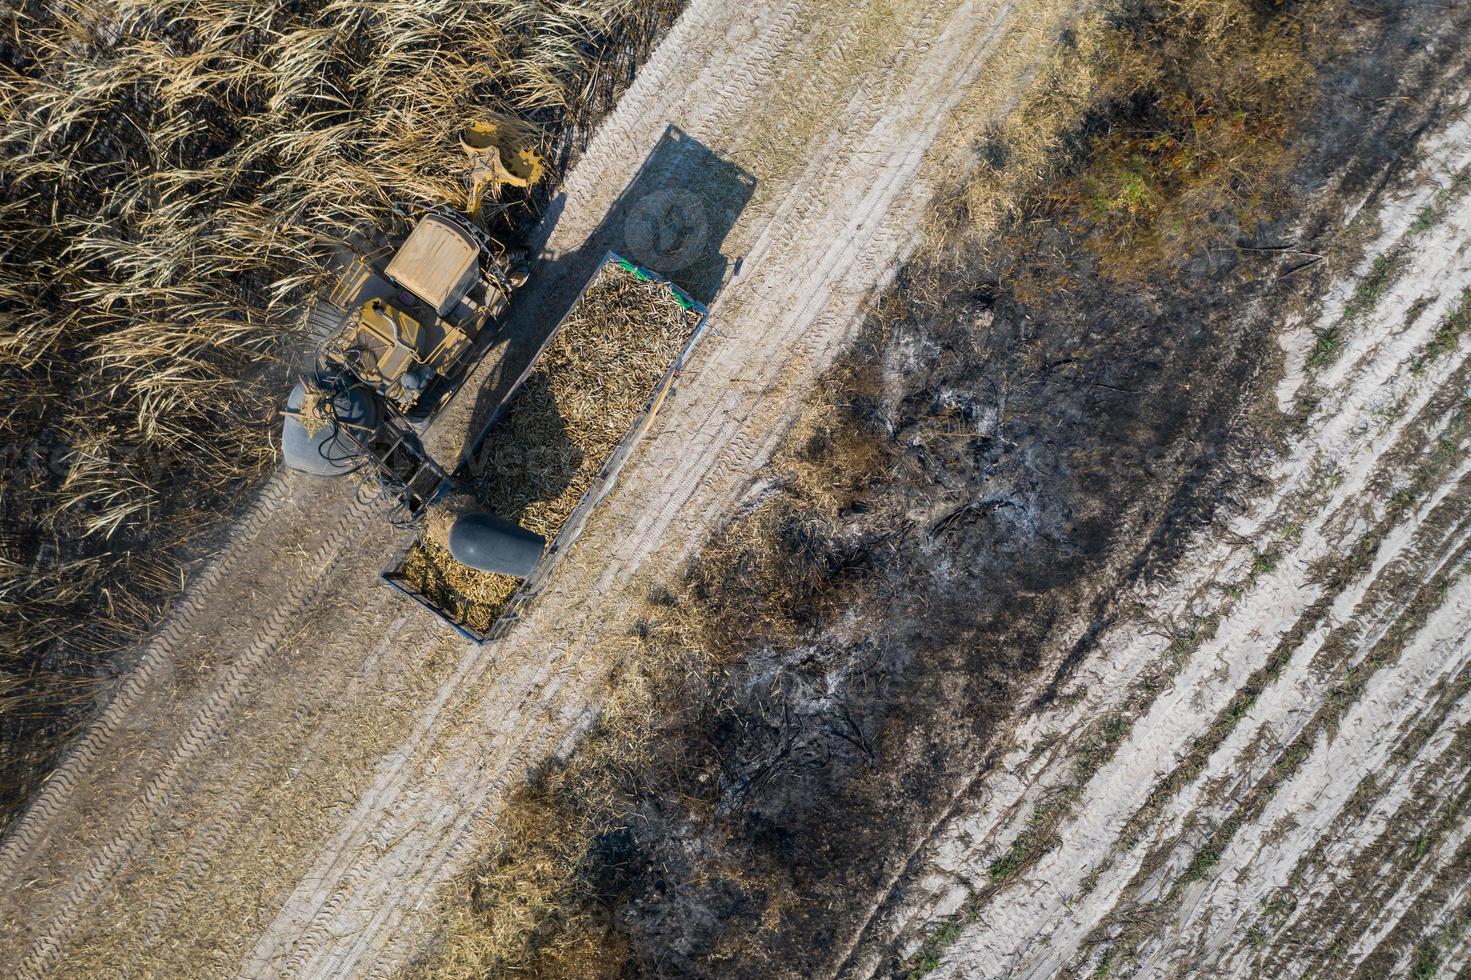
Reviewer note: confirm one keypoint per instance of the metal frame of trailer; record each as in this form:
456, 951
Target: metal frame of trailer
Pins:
532, 585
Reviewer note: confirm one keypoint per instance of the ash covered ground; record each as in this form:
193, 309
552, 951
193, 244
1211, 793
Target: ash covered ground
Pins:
1036, 453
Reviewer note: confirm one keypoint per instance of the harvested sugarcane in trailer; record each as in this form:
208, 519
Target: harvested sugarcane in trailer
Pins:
403, 336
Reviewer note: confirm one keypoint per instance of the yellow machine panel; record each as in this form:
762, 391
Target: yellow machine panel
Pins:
438, 263
398, 352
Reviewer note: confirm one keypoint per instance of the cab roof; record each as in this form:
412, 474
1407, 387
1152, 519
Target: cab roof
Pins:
438, 263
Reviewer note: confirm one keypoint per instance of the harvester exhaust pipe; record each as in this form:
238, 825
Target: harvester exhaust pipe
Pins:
490, 544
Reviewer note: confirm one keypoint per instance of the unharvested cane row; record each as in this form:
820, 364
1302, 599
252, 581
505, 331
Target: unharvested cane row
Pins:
174, 177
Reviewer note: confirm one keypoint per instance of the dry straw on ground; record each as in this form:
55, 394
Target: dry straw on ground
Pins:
560, 428
174, 176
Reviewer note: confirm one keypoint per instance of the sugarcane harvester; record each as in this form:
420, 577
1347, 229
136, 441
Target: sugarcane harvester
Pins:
402, 337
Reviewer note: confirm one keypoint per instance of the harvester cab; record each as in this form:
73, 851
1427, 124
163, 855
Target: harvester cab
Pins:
401, 337
448, 284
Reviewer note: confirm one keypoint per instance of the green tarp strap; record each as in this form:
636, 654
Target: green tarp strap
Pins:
679, 296
630, 267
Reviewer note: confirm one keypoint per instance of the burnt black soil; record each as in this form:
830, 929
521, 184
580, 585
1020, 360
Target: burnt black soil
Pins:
1037, 457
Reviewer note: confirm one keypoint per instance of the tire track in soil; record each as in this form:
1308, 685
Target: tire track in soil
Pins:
32, 829
213, 838
202, 729
252, 776
156, 678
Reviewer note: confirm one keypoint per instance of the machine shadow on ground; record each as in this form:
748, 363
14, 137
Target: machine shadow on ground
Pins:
673, 218
549, 456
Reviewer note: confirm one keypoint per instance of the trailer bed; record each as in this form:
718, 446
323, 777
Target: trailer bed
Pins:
486, 608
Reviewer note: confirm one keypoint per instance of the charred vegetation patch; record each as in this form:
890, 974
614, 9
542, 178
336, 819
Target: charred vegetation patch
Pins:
1038, 412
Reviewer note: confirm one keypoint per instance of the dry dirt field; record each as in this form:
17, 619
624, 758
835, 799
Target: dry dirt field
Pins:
1261, 764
